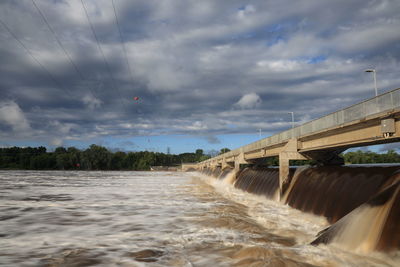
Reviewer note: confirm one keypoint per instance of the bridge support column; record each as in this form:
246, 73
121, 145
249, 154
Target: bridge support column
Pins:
237, 166
288, 153
239, 160
283, 173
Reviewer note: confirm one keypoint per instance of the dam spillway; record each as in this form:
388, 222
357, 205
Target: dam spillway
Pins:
362, 204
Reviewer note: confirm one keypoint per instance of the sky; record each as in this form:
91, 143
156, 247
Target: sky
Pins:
207, 74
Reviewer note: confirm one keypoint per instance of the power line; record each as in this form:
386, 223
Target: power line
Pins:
62, 46
34, 58
122, 41
102, 53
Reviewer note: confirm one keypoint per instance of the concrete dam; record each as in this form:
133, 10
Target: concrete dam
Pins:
361, 203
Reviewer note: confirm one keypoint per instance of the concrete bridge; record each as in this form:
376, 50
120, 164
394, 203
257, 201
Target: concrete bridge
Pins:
374, 121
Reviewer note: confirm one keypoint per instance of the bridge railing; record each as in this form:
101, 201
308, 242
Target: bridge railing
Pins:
381, 103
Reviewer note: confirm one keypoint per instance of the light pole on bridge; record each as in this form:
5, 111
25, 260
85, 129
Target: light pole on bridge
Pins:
374, 72
292, 118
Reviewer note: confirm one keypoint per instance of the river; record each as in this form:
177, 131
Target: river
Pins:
60, 218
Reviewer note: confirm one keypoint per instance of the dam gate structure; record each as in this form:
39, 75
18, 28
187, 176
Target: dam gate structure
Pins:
371, 122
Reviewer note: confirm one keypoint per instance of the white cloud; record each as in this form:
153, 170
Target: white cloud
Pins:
367, 37
212, 139
197, 125
12, 115
56, 142
91, 101
63, 128
249, 101
246, 11
280, 65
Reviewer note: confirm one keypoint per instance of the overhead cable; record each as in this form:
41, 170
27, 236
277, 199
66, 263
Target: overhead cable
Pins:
122, 41
62, 46
34, 58
102, 53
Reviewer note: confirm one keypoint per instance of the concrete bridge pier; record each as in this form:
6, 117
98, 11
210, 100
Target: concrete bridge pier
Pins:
239, 160
289, 152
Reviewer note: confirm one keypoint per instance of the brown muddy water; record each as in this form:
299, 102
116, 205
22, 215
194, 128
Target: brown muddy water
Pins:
56, 218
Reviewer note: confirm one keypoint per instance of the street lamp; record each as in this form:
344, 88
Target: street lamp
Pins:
373, 71
292, 118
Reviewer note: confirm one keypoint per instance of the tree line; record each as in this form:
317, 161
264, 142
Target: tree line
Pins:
100, 158
368, 157
93, 158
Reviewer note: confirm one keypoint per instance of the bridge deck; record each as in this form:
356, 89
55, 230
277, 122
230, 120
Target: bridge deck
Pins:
356, 125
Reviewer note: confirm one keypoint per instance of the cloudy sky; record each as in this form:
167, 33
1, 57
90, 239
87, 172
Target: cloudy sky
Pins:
208, 74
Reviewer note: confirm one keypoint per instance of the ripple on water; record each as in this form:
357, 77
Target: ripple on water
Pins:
49, 197
263, 256
74, 257
146, 255
7, 217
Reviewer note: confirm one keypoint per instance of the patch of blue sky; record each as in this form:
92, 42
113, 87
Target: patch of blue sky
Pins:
277, 33
376, 148
246, 35
231, 126
275, 28
23, 144
182, 143
272, 33
261, 34
317, 59
276, 39
255, 33
179, 143
312, 59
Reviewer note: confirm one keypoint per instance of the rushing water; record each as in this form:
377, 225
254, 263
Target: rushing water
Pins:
55, 218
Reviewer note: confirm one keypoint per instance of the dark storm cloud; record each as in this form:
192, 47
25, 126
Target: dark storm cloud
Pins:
213, 139
199, 67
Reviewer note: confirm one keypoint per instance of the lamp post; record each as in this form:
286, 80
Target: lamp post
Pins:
374, 72
292, 118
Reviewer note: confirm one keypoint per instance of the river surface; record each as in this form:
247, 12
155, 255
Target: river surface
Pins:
57, 218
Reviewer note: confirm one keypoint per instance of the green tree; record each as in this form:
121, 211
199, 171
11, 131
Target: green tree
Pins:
60, 150
96, 158
199, 152
118, 161
224, 150
75, 157
43, 162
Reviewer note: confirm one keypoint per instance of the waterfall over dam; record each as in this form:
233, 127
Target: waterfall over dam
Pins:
361, 203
